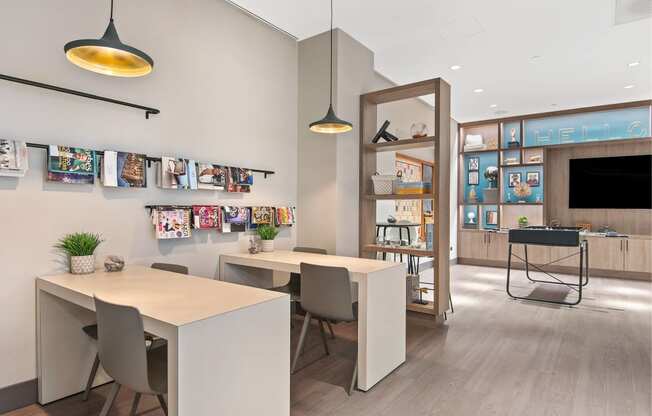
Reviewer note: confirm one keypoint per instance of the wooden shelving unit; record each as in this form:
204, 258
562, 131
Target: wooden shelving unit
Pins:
399, 196
401, 144
440, 144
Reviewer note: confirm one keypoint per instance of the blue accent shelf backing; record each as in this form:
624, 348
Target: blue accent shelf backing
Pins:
626, 123
475, 165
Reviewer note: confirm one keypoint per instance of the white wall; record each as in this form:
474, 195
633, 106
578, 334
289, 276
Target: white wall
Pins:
227, 89
328, 164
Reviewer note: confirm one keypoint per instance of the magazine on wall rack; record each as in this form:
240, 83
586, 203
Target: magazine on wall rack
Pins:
124, 170
207, 216
173, 223
211, 177
240, 180
71, 165
13, 158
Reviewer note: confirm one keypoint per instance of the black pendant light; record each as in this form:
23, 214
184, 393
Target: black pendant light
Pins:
108, 55
331, 124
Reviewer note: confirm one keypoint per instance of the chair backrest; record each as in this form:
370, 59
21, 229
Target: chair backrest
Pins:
326, 292
121, 344
169, 267
310, 250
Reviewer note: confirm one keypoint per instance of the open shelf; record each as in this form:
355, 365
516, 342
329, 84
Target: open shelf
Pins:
402, 144
400, 196
520, 165
416, 307
479, 151
375, 248
521, 203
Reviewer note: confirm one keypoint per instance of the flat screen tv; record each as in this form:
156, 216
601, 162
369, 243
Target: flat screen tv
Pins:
623, 182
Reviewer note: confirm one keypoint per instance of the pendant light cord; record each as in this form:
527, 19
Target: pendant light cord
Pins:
331, 96
111, 18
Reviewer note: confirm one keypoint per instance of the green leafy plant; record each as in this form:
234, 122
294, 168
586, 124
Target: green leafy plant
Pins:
522, 221
267, 232
79, 244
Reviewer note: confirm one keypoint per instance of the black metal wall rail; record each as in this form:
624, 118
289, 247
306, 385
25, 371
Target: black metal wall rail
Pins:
147, 110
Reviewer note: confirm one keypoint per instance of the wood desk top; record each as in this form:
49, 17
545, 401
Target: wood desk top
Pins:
167, 297
289, 261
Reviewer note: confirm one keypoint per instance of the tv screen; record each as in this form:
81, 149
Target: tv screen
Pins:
623, 182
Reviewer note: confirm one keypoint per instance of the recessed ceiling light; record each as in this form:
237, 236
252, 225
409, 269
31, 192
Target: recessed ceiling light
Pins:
535, 57
456, 67
633, 64
478, 90
629, 87
493, 106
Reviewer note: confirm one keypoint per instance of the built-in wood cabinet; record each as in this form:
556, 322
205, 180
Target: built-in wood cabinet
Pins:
617, 257
638, 255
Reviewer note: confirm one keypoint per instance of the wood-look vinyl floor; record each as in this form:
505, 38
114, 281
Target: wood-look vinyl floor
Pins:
494, 356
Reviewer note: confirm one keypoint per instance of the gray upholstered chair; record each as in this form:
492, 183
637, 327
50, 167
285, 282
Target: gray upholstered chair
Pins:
293, 287
91, 330
326, 296
124, 356
168, 267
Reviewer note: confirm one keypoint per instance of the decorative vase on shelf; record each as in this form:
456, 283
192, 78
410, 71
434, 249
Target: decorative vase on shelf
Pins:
419, 130
473, 195
267, 245
82, 264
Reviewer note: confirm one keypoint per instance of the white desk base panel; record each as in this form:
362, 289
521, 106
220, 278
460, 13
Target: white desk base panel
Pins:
233, 364
381, 306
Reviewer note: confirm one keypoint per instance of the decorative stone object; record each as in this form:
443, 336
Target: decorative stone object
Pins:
114, 263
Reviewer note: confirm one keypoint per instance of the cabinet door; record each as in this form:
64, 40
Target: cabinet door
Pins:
606, 253
498, 247
535, 254
472, 245
638, 255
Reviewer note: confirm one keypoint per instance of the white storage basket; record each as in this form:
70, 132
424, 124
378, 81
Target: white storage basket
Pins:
383, 184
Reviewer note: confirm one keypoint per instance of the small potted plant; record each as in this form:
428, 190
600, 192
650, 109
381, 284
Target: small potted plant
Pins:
522, 221
267, 234
80, 248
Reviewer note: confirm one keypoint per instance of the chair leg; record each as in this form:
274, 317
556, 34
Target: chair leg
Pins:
134, 405
302, 339
450, 301
330, 329
91, 377
354, 378
115, 388
164, 405
323, 336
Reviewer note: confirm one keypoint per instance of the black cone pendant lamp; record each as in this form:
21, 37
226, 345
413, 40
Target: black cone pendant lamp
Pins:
108, 55
331, 124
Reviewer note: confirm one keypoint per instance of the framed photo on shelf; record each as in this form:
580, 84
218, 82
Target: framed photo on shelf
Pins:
532, 179
474, 178
514, 179
491, 217
474, 164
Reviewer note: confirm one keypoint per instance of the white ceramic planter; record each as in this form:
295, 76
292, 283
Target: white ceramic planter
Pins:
267, 245
82, 264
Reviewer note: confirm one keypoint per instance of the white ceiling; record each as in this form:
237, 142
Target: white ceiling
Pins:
528, 56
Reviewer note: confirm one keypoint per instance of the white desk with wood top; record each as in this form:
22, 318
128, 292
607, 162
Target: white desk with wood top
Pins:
228, 345
381, 301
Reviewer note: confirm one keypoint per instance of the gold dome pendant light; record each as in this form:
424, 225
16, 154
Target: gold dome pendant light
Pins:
331, 124
108, 55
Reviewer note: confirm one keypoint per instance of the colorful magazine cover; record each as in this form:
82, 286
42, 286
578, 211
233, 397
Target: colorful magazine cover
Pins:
13, 158
207, 216
211, 177
262, 215
71, 164
285, 216
236, 215
173, 173
173, 223
124, 170
239, 180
